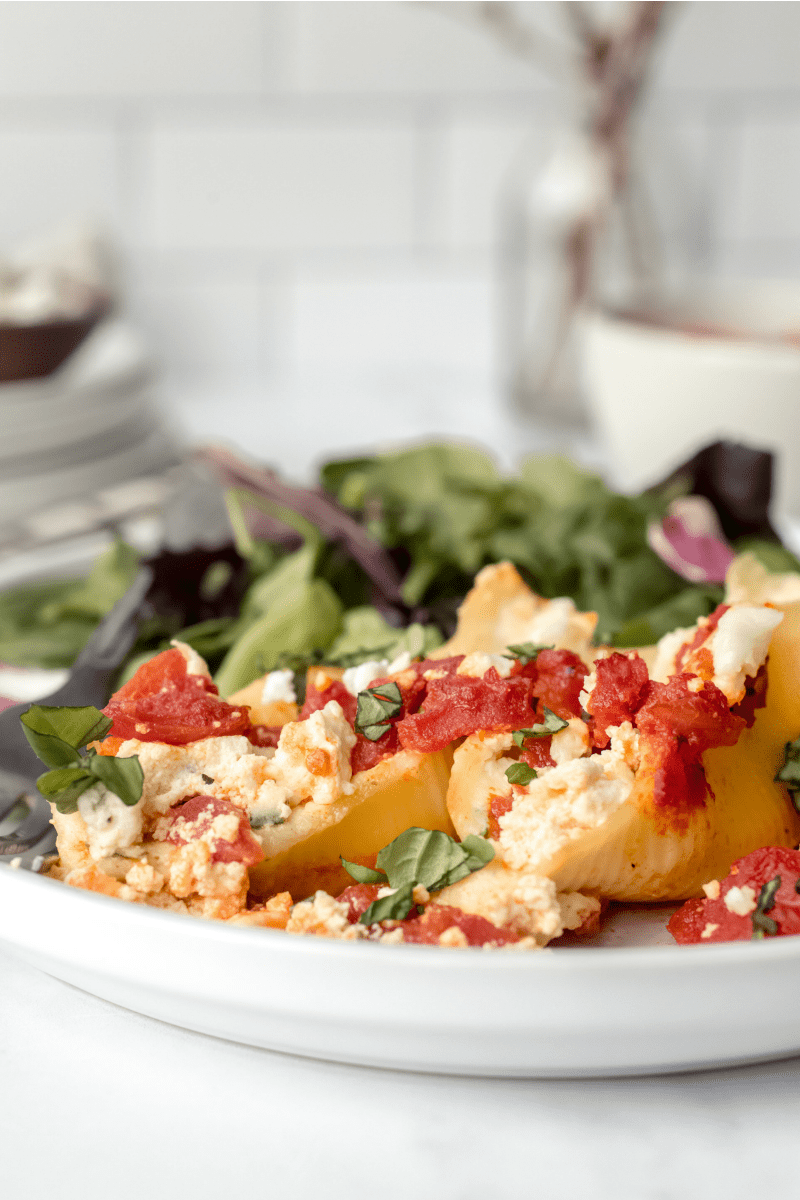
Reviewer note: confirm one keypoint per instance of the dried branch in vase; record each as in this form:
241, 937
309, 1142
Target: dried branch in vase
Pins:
603, 69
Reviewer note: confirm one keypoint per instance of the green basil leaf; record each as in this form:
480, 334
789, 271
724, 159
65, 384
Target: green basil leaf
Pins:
66, 801
521, 773
374, 706
526, 651
390, 908
789, 774
551, 724
363, 874
122, 776
57, 732
51, 750
431, 858
764, 926
479, 851
63, 779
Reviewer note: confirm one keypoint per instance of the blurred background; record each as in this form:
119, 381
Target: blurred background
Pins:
315, 209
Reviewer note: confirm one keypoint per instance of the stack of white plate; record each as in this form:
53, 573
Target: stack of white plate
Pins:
92, 424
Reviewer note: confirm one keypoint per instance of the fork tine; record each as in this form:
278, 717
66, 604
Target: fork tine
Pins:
14, 788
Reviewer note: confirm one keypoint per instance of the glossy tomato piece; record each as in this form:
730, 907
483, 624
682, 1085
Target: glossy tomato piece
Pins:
195, 820
358, 898
558, 682
758, 899
459, 705
162, 702
620, 691
438, 918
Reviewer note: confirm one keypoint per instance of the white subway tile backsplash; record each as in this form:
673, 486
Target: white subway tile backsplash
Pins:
199, 325
395, 315
138, 49
280, 187
54, 172
362, 152
762, 203
407, 48
730, 47
483, 160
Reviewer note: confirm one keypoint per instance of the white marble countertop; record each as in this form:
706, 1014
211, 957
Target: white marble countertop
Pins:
97, 1102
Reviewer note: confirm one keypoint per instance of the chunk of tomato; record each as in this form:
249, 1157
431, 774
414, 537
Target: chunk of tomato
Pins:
195, 820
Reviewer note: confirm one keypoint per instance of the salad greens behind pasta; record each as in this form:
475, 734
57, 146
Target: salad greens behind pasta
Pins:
439, 513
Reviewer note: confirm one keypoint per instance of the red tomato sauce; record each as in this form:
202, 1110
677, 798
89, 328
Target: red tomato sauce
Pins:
708, 920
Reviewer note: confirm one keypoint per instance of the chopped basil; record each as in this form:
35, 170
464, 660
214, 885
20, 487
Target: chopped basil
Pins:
521, 773
395, 907
207, 779
789, 773
363, 874
58, 734
526, 652
419, 856
375, 706
764, 926
550, 725
261, 822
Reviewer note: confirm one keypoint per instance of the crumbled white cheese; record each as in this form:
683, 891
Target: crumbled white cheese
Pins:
269, 808
667, 651
478, 663
740, 901
739, 646
588, 687
625, 742
522, 901
401, 663
279, 687
111, 826
142, 877
195, 665
711, 889
357, 679
227, 767
562, 804
313, 756
454, 938
325, 917
709, 929
572, 742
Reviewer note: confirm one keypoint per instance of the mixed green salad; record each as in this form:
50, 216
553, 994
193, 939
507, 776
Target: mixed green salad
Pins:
399, 540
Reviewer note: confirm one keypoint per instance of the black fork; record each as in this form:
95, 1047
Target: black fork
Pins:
21, 804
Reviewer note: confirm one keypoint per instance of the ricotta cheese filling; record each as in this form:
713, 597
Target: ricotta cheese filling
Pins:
478, 663
195, 665
111, 826
564, 802
279, 688
739, 646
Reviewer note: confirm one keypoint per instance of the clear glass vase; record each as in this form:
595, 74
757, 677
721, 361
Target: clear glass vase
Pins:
569, 239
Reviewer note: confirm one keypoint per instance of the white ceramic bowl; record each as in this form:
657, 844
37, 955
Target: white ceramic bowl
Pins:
657, 392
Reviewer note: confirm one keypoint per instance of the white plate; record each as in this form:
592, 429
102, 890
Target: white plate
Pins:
600, 1010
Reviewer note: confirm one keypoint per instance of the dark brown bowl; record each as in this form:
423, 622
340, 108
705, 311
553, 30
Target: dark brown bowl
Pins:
33, 351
